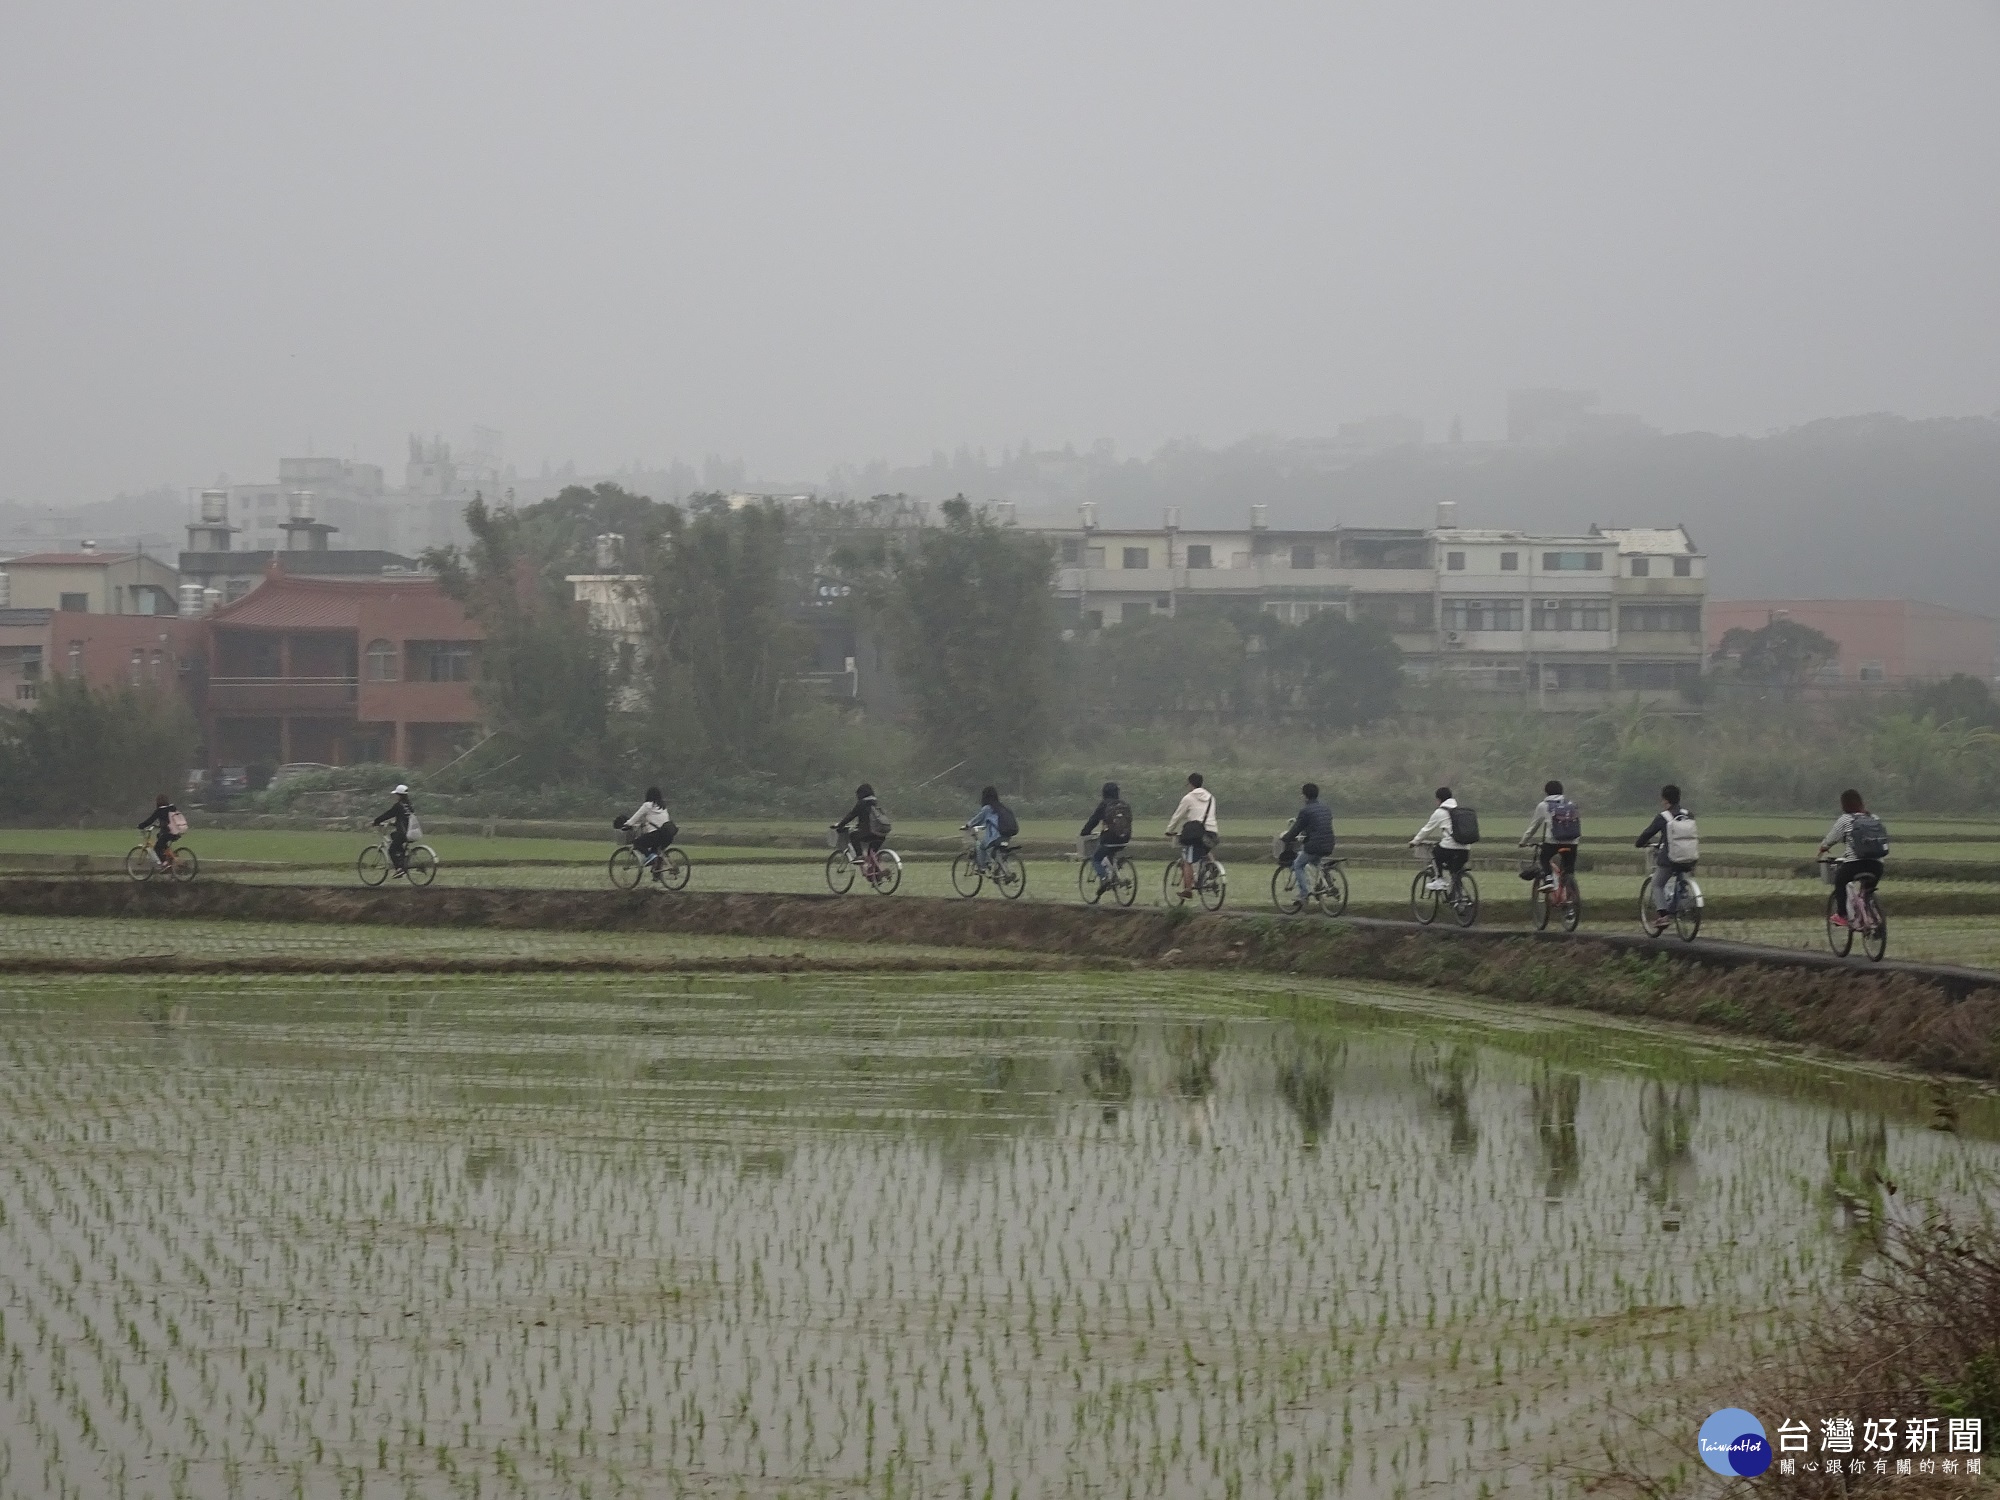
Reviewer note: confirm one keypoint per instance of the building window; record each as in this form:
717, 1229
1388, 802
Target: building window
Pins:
1482, 614
1572, 562
1641, 567
1570, 677
1510, 562
27, 692
441, 661
1304, 557
382, 663
1683, 567
159, 669
1397, 611
1297, 611
1132, 613
73, 604
1871, 671
1072, 552
1138, 557
76, 658
1572, 614
235, 589
1093, 619
1454, 562
1660, 619
1200, 557
138, 666
1658, 674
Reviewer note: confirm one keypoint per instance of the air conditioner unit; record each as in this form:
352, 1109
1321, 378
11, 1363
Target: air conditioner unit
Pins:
1452, 638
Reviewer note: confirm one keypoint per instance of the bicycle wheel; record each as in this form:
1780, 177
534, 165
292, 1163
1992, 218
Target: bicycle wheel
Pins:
1087, 888
1687, 913
1875, 936
1212, 885
1839, 936
1170, 884
1285, 890
1011, 875
965, 876
1124, 880
1465, 900
624, 867
1538, 905
422, 864
675, 868
1649, 914
890, 865
1332, 891
1423, 900
372, 866
839, 872
139, 863
1572, 905
186, 866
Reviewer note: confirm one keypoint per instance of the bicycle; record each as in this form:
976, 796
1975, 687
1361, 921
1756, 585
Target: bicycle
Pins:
670, 867
420, 863
180, 864
1123, 887
881, 868
1460, 893
1003, 867
1683, 906
1863, 915
1325, 879
1211, 881
1557, 891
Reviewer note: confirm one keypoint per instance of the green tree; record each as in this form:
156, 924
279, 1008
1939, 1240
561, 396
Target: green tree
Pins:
1160, 665
1960, 698
1340, 673
544, 674
974, 623
91, 752
1782, 654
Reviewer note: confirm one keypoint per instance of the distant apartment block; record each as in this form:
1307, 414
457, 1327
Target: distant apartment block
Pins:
1881, 640
1559, 620
213, 571
89, 582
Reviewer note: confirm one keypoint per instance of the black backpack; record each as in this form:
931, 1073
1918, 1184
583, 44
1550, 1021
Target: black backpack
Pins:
1464, 825
1118, 822
1867, 837
1010, 826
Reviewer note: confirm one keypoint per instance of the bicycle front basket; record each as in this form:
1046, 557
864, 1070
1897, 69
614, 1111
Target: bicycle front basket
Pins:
835, 838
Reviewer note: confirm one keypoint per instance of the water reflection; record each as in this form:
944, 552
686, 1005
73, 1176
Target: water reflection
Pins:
1553, 1097
1193, 1052
1449, 1077
1107, 1076
1305, 1082
1857, 1184
1667, 1113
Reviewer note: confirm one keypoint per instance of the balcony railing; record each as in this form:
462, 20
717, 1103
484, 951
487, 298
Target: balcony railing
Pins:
260, 696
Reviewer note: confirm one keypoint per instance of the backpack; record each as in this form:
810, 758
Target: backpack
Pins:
1010, 826
1683, 841
1866, 837
878, 821
1118, 822
1464, 825
177, 824
1565, 822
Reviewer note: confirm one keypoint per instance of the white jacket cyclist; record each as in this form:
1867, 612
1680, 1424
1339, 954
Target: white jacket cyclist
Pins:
1198, 806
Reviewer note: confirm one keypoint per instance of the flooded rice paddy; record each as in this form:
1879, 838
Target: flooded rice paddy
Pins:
965, 1235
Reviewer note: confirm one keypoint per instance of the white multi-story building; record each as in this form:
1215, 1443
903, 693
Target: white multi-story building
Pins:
1559, 620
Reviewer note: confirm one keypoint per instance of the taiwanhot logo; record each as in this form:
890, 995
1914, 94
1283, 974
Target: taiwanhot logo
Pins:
1733, 1442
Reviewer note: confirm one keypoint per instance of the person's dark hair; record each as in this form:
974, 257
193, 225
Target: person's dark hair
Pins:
1110, 792
1194, 778
1310, 791
1671, 795
653, 794
1850, 802
162, 800
1444, 794
989, 796
863, 791
1552, 789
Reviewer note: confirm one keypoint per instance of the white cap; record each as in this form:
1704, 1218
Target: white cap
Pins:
400, 790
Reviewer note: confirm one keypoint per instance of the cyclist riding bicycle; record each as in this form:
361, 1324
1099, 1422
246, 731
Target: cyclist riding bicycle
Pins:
984, 826
1553, 829
1660, 836
1862, 844
1312, 834
1194, 821
653, 829
166, 824
399, 816
1112, 817
862, 823
1447, 853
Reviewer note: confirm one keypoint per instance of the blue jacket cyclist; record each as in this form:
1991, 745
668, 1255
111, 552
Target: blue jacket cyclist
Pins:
1313, 830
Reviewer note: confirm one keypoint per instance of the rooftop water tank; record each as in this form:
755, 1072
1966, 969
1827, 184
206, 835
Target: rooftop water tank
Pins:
215, 507
190, 599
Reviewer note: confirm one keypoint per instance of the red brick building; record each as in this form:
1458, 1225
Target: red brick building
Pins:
161, 651
1881, 640
341, 671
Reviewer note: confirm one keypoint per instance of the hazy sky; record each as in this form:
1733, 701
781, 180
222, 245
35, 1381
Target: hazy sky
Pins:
814, 233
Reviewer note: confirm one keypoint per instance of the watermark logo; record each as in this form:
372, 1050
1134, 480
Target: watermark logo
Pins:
1733, 1442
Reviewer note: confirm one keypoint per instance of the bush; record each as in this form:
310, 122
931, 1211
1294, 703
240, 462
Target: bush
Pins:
88, 753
